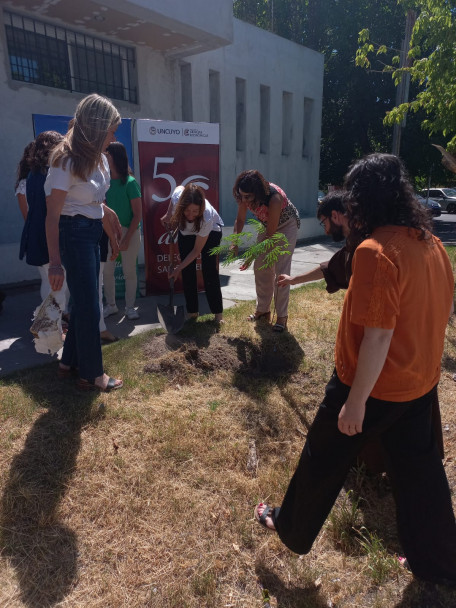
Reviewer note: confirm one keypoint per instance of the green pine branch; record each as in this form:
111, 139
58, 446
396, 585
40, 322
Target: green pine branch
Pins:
235, 247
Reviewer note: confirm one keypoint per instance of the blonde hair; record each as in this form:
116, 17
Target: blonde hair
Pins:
83, 144
191, 195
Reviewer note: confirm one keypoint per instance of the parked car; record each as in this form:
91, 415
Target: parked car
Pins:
445, 196
433, 207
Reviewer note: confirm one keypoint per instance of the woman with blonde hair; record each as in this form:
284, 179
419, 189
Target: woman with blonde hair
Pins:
76, 186
200, 229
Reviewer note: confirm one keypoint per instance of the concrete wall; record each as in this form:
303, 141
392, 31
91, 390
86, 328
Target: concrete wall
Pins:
256, 57
260, 58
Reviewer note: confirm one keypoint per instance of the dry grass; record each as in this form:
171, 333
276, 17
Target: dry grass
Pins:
144, 497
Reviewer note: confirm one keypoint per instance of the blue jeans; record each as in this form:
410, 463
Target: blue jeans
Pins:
80, 252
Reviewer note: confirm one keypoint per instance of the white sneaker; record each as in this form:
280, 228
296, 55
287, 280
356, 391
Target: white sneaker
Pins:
110, 309
131, 313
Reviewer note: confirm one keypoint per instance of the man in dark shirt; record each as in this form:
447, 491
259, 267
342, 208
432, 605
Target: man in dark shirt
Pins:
337, 270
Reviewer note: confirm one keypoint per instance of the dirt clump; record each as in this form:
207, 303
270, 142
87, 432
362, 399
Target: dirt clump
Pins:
177, 356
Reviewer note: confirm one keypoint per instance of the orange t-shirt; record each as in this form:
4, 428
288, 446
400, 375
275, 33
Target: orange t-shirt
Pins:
399, 282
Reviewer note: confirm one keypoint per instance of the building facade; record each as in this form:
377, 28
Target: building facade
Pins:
181, 60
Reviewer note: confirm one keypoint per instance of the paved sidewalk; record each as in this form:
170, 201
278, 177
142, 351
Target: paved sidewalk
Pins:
17, 349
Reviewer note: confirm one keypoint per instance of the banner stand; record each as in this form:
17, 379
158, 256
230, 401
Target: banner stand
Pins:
170, 154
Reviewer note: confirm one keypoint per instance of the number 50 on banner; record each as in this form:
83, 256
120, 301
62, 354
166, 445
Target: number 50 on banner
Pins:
170, 179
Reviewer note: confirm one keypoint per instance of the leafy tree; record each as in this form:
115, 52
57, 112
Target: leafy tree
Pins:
432, 55
354, 101
256, 13
287, 18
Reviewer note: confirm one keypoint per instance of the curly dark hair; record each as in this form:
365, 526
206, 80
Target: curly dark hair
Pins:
23, 168
44, 144
119, 157
191, 195
252, 182
333, 201
380, 194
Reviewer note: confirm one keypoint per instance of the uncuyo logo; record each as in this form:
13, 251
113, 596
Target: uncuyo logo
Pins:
152, 130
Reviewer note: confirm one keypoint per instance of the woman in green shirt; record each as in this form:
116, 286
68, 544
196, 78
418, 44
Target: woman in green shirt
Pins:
124, 196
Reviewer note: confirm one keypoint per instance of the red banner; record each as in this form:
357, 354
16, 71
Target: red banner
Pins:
170, 154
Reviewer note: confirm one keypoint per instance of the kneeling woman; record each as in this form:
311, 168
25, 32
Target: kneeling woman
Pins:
200, 229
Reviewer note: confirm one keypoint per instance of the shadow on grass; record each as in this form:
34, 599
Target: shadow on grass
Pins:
297, 408
289, 596
264, 365
448, 362
199, 332
374, 497
419, 594
42, 550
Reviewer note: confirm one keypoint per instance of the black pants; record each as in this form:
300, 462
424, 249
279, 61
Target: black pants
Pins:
210, 273
425, 517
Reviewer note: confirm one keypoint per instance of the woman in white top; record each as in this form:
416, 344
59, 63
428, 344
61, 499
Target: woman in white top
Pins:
75, 187
200, 229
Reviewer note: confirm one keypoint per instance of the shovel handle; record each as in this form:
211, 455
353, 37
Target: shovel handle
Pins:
171, 236
171, 291
171, 248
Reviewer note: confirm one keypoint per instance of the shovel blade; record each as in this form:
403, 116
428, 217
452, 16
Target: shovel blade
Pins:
172, 318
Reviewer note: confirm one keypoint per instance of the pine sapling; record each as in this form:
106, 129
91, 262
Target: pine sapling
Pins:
233, 247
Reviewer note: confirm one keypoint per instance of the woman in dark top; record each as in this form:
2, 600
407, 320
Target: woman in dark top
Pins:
33, 241
23, 169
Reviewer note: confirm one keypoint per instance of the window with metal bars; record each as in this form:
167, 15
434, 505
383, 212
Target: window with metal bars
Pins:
53, 56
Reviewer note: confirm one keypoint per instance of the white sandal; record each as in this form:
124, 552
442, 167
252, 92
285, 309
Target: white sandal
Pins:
257, 316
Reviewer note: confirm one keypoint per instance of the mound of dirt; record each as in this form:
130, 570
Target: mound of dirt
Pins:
177, 357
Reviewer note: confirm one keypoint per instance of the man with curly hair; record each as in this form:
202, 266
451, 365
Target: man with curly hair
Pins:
337, 270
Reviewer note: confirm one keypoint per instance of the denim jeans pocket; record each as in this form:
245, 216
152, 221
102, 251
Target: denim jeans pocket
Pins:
80, 222
79, 237
81, 229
